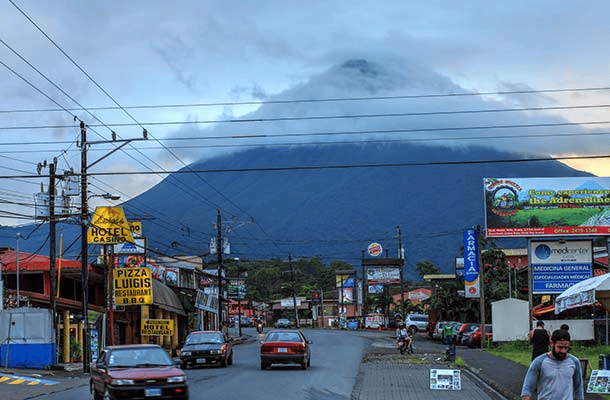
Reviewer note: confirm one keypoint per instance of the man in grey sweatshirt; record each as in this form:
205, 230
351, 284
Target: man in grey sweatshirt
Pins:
555, 375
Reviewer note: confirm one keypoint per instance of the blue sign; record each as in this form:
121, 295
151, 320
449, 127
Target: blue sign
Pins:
472, 283
558, 265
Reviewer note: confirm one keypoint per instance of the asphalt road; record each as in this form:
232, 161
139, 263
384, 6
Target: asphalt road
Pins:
334, 367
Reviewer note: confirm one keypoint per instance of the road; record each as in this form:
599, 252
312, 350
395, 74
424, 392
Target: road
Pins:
345, 365
334, 367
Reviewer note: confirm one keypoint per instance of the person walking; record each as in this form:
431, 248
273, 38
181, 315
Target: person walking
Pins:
555, 375
540, 338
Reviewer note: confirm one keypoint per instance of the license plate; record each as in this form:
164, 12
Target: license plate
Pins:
282, 350
201, 360
152, 392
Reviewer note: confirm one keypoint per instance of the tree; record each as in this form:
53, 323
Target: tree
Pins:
426, 268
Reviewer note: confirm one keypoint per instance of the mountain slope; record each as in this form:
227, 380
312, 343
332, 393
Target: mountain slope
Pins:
335, 213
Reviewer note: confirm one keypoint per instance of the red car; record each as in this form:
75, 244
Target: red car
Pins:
475, 339
136, 372
285, 347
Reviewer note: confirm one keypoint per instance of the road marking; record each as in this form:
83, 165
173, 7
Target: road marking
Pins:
18, 380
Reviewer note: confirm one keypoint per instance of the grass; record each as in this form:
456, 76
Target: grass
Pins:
521, 352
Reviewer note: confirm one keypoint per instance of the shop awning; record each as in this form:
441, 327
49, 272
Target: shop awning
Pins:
166, 299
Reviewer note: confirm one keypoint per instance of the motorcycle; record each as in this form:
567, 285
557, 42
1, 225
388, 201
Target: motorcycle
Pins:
259, 327
405, 344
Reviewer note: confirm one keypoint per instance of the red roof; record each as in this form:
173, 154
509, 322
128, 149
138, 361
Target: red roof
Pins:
34, 262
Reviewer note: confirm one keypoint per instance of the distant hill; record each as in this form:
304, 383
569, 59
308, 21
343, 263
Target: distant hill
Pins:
336, 213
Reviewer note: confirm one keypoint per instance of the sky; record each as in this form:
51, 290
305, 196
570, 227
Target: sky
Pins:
189, 71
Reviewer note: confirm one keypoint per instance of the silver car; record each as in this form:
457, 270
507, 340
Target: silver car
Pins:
416, 322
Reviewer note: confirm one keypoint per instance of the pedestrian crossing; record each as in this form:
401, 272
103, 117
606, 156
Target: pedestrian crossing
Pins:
25, 380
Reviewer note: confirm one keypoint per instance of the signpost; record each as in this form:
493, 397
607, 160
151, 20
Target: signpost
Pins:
557, 265
133, 286
109, 226
157, 327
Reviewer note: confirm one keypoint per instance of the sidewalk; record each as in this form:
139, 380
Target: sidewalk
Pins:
503, 375
482, 369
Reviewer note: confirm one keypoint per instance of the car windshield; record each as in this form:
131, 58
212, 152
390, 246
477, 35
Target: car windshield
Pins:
139, 357
283, 337
200, 338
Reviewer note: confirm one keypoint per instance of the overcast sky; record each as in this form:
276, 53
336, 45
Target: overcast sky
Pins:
69, 55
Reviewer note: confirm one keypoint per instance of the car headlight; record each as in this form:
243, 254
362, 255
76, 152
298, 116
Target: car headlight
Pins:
186, 353
120, 382
216, 352
175, 379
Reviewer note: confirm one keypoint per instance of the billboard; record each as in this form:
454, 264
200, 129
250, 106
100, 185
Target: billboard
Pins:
528, 207
382, 276
557, 265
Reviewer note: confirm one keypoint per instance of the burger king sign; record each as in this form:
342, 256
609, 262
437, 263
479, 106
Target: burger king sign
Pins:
375, 249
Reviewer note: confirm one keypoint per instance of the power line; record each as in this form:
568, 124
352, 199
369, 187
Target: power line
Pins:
345, 166
325, 100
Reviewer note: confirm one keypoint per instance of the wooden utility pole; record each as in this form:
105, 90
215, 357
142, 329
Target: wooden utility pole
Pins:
482, 287
219, 261
402, 274
52, 250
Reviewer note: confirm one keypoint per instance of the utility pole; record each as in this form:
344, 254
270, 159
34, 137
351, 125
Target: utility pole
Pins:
294, 298
482, 284
84, 217
84, 250
52, 248
402, 278
219, 251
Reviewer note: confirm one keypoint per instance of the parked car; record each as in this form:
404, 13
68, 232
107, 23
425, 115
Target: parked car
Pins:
466, 329
246, 322
285, 347
283, 323
207, 347
438, 331
136, 372
416, 323
474, 340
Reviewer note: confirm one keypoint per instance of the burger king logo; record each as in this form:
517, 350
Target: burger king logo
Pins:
375, 249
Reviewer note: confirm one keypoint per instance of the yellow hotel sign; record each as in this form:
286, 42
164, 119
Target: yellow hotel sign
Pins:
132, 286
157, 327
109, 226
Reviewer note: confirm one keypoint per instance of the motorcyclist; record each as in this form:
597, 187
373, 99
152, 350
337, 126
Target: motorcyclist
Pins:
401, 331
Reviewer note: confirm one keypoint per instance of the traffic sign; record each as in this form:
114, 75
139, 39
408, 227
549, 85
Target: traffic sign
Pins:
109, 226
133, 286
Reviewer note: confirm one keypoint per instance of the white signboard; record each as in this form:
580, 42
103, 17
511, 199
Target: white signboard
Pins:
599, 382
375, 276
290, 303
445, 379
558, 265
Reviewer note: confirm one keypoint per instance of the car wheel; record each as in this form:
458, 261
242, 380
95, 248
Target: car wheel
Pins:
95, 395
412, 330
184, 365
264, 365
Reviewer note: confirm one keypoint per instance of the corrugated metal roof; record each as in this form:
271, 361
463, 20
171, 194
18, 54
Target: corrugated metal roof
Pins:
34, 262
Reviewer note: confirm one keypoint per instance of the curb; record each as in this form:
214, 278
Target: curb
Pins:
503, 391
